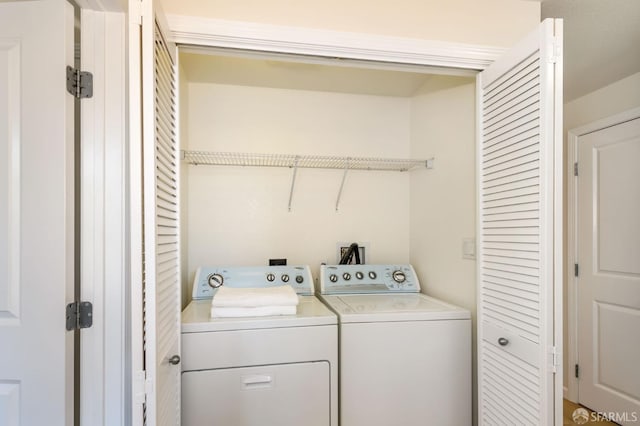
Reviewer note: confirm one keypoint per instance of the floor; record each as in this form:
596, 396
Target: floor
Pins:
568, 415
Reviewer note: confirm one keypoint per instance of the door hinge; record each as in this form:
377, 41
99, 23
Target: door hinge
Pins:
556, 50
79, 315
79, 83
555, 359
142, 386
575, 169
136, 12
576, 371
575, 270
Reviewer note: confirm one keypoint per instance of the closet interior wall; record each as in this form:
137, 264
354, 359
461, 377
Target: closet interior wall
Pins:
238, 215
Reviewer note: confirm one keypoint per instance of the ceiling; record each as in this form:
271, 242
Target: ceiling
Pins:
601, 42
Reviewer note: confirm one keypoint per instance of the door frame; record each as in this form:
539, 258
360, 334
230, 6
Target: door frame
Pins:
573, 139
104, 371
395, 52
388, 52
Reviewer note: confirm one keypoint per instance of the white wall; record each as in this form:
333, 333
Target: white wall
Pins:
610, 100
443, 201
239, 216
486, 22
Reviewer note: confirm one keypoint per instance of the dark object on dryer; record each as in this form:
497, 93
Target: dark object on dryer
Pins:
349, 254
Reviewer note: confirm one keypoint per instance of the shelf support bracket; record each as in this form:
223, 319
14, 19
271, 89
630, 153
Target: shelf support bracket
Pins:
293, 181
344, 177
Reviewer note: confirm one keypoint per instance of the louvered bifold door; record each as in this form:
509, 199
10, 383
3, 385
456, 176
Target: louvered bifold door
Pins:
519, 207
161, 236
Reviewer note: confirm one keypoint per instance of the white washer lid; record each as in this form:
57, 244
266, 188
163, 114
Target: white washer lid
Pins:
196, 317
392, 307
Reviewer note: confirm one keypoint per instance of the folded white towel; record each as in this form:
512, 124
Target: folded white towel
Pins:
255, 311
283, 295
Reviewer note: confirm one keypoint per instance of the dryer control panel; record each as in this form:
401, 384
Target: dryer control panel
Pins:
209, 278
368, 279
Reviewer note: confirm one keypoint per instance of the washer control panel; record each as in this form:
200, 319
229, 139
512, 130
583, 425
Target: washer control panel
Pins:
209, 278
368, 279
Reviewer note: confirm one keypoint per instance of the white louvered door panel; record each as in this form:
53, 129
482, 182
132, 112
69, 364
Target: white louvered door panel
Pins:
519, 233
160, 227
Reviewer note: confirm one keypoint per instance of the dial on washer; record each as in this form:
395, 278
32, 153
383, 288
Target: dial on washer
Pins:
215, 280
399, 276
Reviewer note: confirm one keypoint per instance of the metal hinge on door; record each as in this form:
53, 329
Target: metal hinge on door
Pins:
135, 12
79, 315
577, 371
556, 50
142, 385
575, 169
555, 359
79, 83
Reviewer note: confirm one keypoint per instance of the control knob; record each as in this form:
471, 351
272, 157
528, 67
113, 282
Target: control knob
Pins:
346, 276
215, 280
299, 279
373, 275
359, 275
271, 277
333, 278
399, 276
285, 278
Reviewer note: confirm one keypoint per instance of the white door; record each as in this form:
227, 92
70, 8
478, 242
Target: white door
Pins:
36, 213
156, 160
609, 270
519, 176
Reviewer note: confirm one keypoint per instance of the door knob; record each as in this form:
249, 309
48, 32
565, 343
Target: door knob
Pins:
503, 341
174, 360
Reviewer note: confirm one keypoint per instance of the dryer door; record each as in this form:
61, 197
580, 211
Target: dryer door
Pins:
283, 395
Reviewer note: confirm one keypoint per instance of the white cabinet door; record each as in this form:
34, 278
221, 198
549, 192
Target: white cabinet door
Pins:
155, 159
520, 233
36, 213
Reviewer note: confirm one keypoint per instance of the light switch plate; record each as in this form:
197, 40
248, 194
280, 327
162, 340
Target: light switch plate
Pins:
469, 248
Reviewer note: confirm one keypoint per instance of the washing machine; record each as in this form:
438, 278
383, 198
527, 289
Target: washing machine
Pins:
405, 357
256, 371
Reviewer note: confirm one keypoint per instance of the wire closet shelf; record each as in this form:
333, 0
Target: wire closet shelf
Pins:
302, 161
